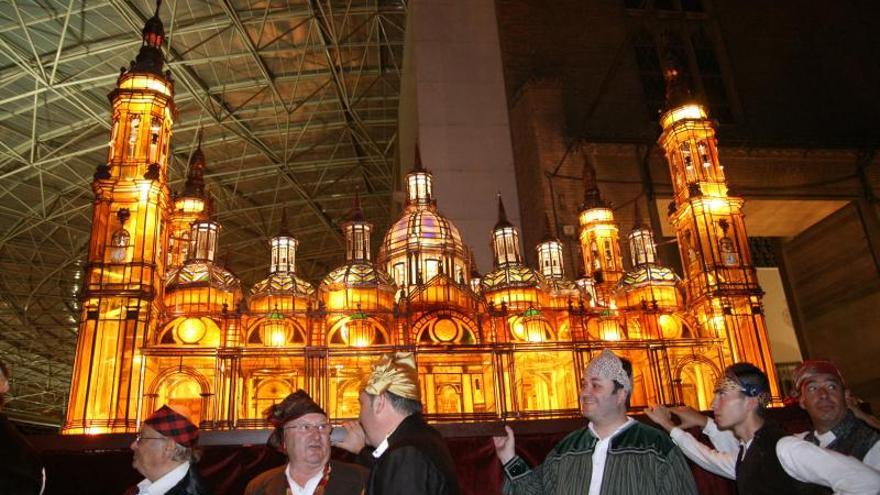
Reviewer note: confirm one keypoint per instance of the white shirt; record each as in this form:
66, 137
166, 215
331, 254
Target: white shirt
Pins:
600, 453
165, 483
872, 458
381, 448
802, 461
309, 487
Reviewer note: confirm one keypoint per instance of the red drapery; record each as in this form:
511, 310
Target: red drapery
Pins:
228, 468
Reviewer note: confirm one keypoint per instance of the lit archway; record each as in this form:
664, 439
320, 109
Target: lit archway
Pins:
185, 391
697, 379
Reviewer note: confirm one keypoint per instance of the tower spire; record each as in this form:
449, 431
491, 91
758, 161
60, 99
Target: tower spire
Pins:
638, 221
357, 213
592, 194
677, 89
502, 214
548, 230
150, 59
417, 164
195, 179
284, 228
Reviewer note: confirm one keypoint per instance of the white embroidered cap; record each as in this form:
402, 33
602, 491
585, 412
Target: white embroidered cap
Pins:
607, 365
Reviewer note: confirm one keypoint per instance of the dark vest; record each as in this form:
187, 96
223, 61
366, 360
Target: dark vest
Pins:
851, 437
759, 472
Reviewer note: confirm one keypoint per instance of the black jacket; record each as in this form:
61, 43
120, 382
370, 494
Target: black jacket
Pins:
417, 462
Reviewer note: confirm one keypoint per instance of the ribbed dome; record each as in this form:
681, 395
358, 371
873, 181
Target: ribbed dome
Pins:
648, 274
561, 286
282, 284
201, 274
512, 276
421, 229
358, 275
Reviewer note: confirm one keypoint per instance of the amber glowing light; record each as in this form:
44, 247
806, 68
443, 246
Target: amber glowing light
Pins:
165, 322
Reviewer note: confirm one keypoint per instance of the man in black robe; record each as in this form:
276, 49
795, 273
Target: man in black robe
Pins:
410, 457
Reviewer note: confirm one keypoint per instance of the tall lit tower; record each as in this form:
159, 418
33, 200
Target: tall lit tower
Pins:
600, 242
720, 279
191, 205
126, 265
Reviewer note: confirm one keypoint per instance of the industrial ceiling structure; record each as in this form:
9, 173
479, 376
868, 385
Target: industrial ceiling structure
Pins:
297, 101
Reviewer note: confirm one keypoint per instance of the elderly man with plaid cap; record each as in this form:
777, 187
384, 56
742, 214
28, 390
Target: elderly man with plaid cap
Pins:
759, 456
303, 433
410, 457
163, 453
821, 391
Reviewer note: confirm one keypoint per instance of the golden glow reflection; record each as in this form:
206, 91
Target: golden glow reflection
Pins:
191, 330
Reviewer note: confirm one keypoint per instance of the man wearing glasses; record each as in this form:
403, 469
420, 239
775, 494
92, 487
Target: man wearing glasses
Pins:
163, 453
303, 433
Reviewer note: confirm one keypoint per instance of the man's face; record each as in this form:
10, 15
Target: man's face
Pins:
599, 401
824, 399
731, 407
304, 441
152, 453
369, 418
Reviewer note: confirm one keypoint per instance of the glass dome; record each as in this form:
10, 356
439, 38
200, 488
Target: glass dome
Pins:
201, 274
423, 243
282, 283
649, 274
511, 276
201, 287
357, 275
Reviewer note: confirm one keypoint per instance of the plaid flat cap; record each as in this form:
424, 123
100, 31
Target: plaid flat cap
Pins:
173, 425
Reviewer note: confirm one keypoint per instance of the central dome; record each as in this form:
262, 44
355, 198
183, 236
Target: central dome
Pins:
421, 229
423, 243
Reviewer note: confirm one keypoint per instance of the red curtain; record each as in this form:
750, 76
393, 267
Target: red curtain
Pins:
229, 468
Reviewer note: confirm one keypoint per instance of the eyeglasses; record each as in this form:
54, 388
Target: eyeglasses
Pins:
140, 438
308, 428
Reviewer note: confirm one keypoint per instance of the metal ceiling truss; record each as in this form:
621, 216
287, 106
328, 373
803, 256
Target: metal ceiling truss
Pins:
297, 100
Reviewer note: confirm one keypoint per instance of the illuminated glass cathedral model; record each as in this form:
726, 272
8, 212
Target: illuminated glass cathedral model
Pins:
164, 322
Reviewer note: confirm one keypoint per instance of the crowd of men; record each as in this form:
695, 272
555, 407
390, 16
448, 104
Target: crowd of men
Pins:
397, 452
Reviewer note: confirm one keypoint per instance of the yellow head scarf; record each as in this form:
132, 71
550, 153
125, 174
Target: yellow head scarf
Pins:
395, 373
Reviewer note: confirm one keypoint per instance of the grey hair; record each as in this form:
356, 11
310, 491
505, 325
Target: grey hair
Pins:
184, 454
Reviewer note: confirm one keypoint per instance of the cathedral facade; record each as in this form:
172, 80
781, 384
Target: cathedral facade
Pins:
164, 322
